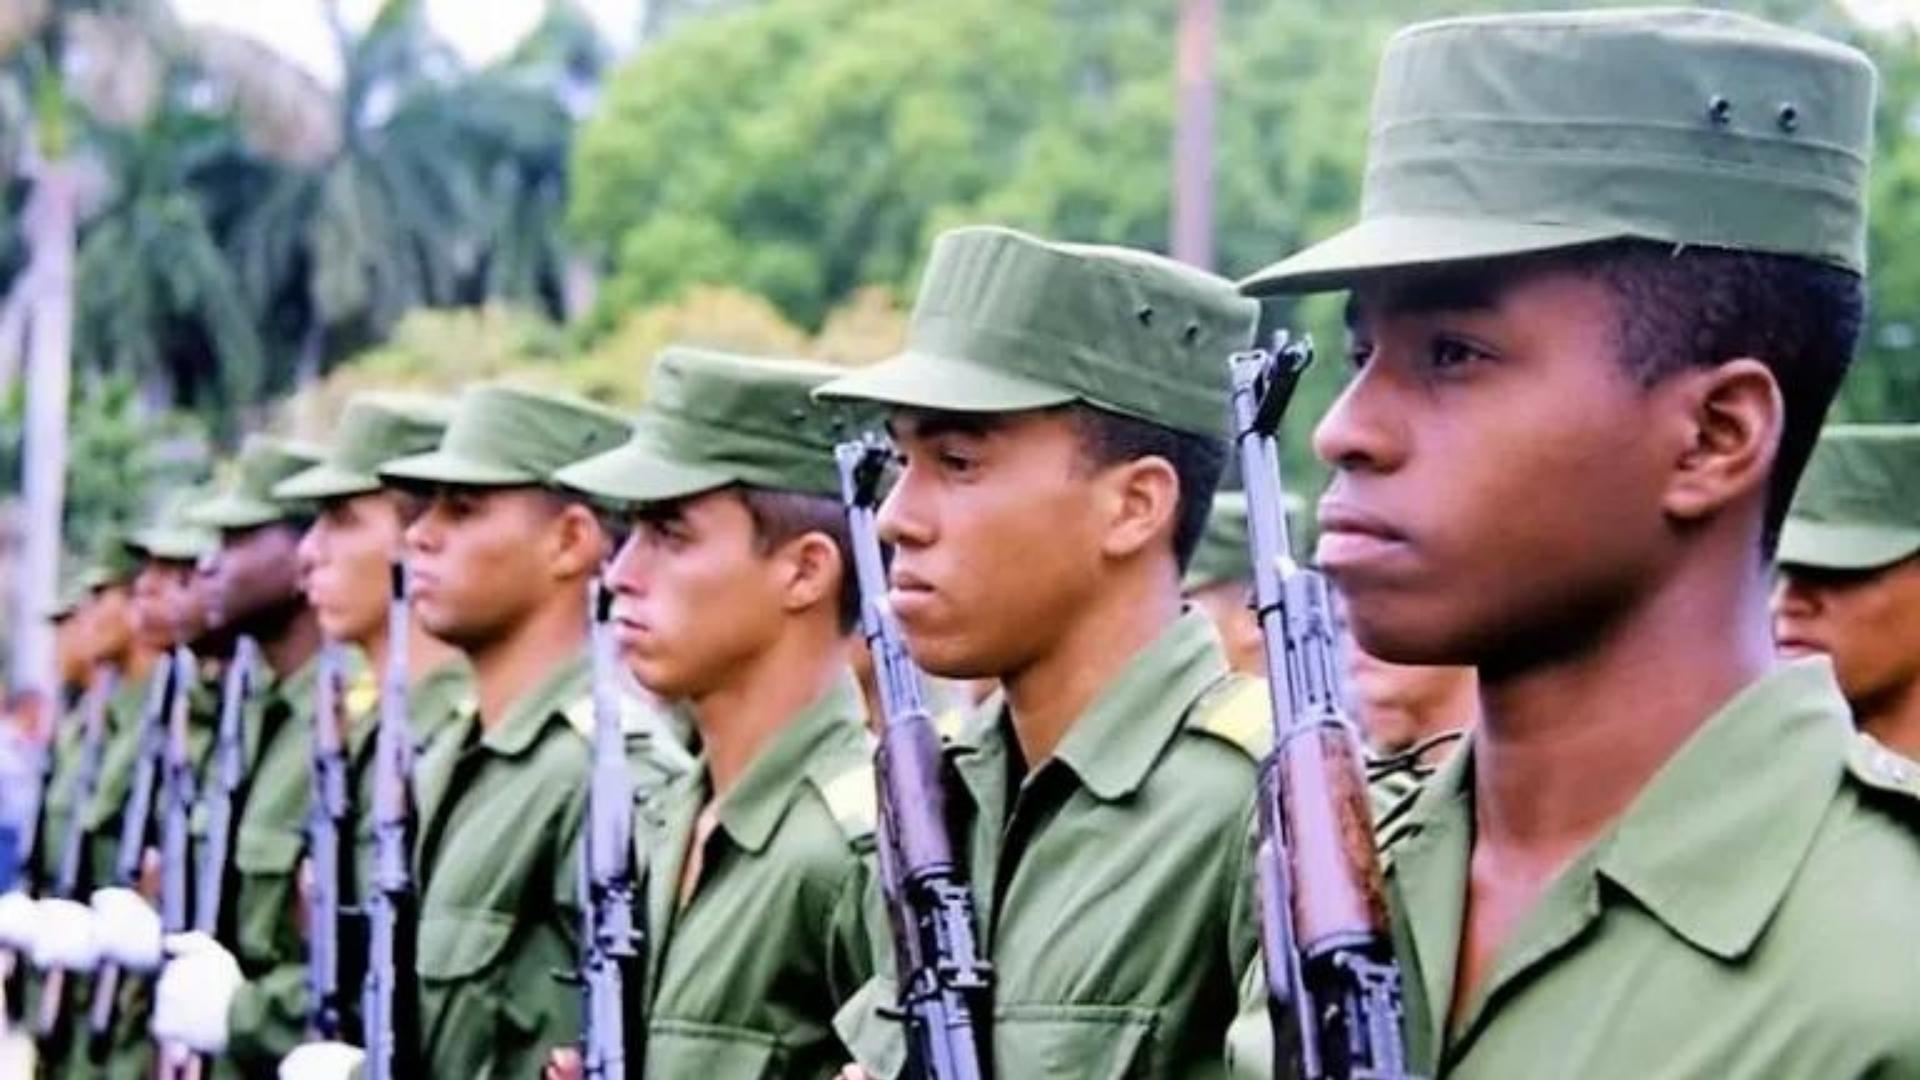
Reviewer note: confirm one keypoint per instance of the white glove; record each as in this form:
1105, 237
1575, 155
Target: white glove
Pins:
17, 922
63, 936
321, 1061
195, 990
128, 929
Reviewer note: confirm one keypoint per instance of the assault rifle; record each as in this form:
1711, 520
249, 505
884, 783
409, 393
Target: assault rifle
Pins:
1333, 984
172, 681
613, 941
944, 981
66, 873
328, 820
391, 1030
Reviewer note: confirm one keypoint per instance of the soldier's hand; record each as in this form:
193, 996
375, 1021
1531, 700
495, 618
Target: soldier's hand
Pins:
195, 989
564, 1063
64, 937
128, 929
17, 921
852, 1072
321, 1061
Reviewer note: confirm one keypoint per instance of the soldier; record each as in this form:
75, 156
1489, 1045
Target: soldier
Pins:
735, 595
500, 561
1850, 574
1060, 414
1605, 282
1219, 581
346, 558
239, 997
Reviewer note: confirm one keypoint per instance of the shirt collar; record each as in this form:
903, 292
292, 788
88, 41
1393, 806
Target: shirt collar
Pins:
568, 682
1114, 744
1711, 844
759, 799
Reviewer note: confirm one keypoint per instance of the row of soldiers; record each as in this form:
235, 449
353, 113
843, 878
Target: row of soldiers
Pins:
1605, 283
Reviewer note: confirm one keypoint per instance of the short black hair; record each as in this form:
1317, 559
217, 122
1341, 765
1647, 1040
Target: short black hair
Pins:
1108, 438
1690, 307
780, 516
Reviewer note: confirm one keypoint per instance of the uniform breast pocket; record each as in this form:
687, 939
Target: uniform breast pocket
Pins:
1081, 1042
711, 1051
263, 861
455, 946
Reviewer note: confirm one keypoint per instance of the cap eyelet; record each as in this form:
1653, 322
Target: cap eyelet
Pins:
1191, 334
1788, 117
1719, 110
1145, 314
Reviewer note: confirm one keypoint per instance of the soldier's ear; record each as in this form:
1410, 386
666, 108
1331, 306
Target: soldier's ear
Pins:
580, 545
1733, 415
812, 568
1139, 500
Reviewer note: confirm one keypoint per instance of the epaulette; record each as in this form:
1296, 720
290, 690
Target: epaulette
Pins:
638, 721
363, 694
1236, 710
950, 723
852, 796
1881, 769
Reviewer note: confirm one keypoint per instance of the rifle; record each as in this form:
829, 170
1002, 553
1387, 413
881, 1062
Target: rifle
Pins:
178, 795
388, 1017
66, 875
229, 772
613, 940
944, 982
1328, 954
171, 682
328, 820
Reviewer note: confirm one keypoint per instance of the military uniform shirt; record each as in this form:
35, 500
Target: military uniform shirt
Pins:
500, 814
268, 1016
1754, 913
778, 931
1114, 882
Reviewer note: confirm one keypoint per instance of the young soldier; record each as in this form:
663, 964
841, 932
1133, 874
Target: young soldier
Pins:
1060, 415
1605, 282
1850, 574
735, 595
500, 562
346, 560
1219, 582
240, 998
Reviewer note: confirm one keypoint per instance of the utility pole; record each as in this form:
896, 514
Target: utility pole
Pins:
1193, 137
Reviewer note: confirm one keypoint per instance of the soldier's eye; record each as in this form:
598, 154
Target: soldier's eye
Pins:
1359, 352
1447, 353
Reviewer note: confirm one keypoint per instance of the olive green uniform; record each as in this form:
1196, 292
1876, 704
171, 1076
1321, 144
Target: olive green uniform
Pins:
500, 812
779, 929
268, 1014
1717, 929
1114, 881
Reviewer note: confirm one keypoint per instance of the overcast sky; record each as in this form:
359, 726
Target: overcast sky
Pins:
480, 29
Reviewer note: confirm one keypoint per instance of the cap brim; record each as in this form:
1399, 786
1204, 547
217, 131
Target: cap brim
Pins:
171, 545
919, 380
237, 512
325, 482
636, 473
1398, 242
1826, 545
446, 467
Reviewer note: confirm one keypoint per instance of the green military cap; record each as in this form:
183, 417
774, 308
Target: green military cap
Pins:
1858, 506
1507, 134
1005, 323
75, 590
115, 561
375, 428
508, 436
246, 500
172, 534
713, 419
